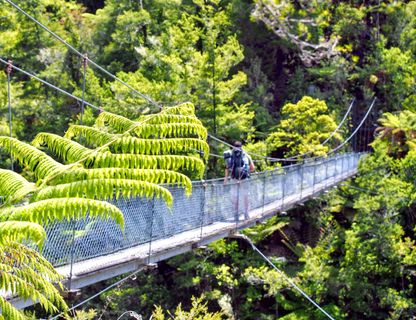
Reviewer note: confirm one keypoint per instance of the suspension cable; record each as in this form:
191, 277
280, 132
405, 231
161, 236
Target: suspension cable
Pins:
356, 129
148, 99
51, 85
284, 275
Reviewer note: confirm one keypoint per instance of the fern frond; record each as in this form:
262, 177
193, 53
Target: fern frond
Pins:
159, 146
185, 126
186, 109
92, 136
26, 273
133, 161
13, 185
21, 231
390, 120
65, 149
29, 284
128, 144
74, 207
164, 117
118, 123
171, 130
8, 311
105, 189
39, 162
150, 175
22, 256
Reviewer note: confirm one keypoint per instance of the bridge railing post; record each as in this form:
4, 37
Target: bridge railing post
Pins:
203, 199
302, 168
283, 185
72, 256
326, 172
344, 173
237, 207
151, 230
314, 177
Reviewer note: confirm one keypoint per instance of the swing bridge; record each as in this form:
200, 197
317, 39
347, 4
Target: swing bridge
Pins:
90, 250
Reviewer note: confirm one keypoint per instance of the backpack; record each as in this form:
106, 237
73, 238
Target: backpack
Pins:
239, 165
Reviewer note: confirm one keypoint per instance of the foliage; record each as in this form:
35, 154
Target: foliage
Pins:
199, 310
303, 128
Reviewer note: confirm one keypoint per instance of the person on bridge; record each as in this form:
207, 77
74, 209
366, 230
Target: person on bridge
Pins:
238, 166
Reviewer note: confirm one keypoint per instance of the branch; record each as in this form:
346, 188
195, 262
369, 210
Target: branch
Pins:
310, 53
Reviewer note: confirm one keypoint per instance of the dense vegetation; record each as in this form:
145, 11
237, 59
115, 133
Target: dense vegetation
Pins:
277, 75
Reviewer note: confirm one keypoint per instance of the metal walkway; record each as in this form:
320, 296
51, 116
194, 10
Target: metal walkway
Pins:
89, 251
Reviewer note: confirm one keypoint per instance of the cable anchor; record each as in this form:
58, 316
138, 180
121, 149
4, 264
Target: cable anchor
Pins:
9, 67
85, 60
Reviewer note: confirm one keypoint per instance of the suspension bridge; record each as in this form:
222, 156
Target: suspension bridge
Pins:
88, 251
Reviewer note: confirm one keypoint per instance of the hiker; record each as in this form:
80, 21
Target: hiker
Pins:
238, 166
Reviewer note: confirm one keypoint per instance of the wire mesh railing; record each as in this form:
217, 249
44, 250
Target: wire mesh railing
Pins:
211, 202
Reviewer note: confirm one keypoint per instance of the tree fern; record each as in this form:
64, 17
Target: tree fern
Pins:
26, 273
97, 189
39, 162
128, 144
67, 150
133, 161
148, 152
153, 129
118, 123
160, 146
169, 118
13, 185
171, 130
8, 311
21, 231
29, 285
157, 176
186, 109
91, 136
75, 207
